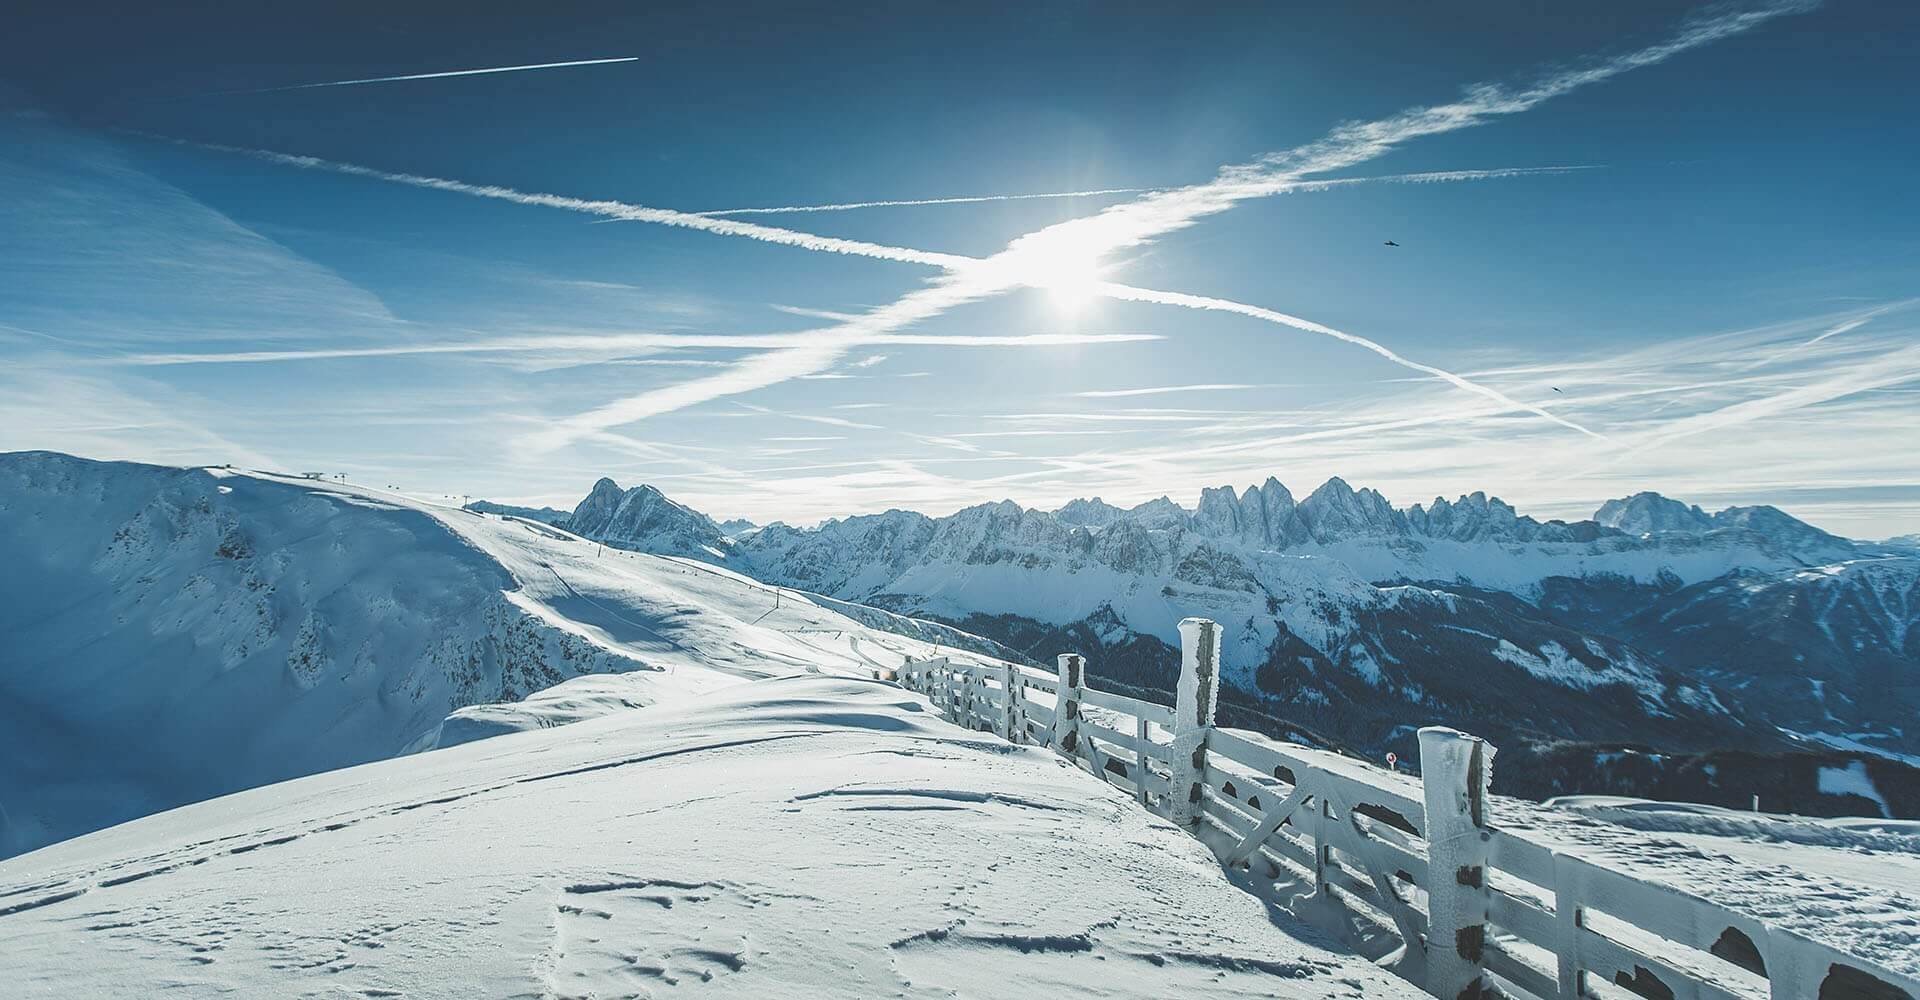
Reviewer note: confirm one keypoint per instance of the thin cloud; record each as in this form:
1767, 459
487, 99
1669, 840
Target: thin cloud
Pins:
619, 342
1131, 294
1845, 326
1878, 372
1055, 432
826, 314
605, 208
1089, 239
908, 202
425, 76
1428, 177
1135, 223
1159, 390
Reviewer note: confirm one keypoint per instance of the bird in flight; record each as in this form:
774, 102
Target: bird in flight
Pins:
1555, 388
1392, 243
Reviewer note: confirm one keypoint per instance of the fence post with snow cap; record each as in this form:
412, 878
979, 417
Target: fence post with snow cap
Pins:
1194, 699
1455, 770
1013, 727
1066, 709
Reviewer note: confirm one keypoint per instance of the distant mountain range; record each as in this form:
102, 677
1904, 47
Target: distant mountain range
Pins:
1652, 623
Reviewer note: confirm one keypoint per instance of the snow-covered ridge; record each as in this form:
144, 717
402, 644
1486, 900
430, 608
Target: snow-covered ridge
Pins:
172, 634
798, 837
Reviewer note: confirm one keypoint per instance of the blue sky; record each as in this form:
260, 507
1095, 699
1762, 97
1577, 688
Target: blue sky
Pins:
1715, 299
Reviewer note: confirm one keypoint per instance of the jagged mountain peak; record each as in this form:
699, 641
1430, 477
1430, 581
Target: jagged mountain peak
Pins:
646, 520
1649, 513
1093, 513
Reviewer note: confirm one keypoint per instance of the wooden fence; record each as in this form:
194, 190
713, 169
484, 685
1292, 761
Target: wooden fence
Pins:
1409, 869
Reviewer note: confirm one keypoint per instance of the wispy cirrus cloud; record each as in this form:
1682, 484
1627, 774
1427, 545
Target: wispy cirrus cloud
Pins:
1772, 432
1073, 251
614, 342
1161, 390
1272, 316
1847, 325
1034, 259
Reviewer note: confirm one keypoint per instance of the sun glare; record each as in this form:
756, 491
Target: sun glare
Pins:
1070, 277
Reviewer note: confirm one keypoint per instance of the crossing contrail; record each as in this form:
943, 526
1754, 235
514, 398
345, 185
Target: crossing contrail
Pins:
1035, 259
426, 76
1429, 177
848, 206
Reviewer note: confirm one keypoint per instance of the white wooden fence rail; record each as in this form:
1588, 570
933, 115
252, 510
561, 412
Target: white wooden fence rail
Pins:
1409, 868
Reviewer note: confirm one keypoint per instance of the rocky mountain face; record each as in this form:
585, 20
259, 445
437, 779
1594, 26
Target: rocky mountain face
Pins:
1653, 621
644, 520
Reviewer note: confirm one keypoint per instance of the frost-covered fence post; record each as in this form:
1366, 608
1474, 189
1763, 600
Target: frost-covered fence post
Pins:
1140, 779
949, 702
1455, 770
1013, 728
1066, 708
1194, 699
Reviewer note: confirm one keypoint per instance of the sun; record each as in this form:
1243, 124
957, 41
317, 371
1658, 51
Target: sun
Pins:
1071, 277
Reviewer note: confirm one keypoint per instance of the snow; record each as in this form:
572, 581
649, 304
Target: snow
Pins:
176, 634
1554, 663
1851, 780
1855, 742
1851, 883
800, 836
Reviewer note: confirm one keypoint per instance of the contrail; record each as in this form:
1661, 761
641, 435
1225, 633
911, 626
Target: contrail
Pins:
424, 76
1131, 294
1091, 238
610, 209
1160, 390
849, 206
1848, 326
627, 342
712, 221
1429, 177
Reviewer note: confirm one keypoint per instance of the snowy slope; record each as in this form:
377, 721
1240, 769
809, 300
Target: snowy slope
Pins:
798, 837
1852, 883
173, 634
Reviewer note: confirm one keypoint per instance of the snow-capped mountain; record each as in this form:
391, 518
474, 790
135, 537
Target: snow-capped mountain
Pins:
1358, 618
171, 634
642, 519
